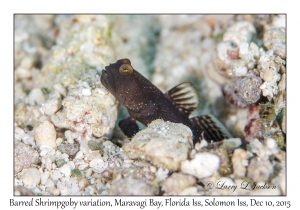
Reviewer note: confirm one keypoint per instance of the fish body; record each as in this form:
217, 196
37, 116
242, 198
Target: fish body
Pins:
145, 103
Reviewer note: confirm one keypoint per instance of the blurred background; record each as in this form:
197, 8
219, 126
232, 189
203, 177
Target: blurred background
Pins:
166, 49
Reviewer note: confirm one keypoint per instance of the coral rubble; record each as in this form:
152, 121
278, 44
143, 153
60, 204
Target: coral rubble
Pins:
66, 138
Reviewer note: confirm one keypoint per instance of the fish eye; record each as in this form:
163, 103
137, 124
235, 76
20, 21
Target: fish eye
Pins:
125, 69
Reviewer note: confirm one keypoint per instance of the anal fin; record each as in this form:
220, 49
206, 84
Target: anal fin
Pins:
129, 127
185, 97
212, 129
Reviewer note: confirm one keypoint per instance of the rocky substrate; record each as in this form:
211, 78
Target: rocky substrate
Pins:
66, 141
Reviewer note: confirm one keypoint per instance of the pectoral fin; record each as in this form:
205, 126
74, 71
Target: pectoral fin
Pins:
129, 127
210, 128
185, 97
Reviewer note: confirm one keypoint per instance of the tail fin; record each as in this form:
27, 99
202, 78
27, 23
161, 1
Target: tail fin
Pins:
210, 128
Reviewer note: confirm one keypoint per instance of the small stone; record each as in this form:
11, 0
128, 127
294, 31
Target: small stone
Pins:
240, 162
66, 191
83, 183
49, 183
162, 174
58, 141
36, 97
98, 165
74, 188
44, 177
239, 33
55, 191
152, 169
48, 164
69, 137
70, 149
66, 170
31, 177
23, 73
94, 145
79, 155
241, 71
88, 173
231, 144
20, 190
83, 166
230, 93
61, 89
52, 105
76, 173
253, 127
60, 162
177, 182
86, 92
127, 183
259, 170
275, 39
45, 134
161, 143
248, 89
19, 133
202, 165
71, 164
24, 156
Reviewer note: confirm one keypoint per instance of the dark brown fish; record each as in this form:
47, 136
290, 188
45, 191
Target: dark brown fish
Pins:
145, 103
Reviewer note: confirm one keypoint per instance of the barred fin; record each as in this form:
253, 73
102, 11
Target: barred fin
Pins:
211, 127
185, 97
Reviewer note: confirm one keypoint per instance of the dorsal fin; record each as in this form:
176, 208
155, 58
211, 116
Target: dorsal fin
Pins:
212, 128
185, 97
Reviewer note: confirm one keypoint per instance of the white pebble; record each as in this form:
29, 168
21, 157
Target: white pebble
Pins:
71, 164
66, 191
19, 133
241, 71
51, 106
55, 191
66, 170
83, 183
79, 155
48, 164
203, 165
55, 174
23, 73
31, 177
58, 141
45, 134
98, 165
162, 174
75, 189
65, 157
44, 177
79, 162
83, 166
28, 139
60, 185
69, 137
61, 89
36, 97
86, 92
49, 183
88, 173
84, 147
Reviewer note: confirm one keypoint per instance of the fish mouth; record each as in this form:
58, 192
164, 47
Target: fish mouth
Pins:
107, 80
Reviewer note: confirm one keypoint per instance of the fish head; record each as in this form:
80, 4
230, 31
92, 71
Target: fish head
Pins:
117, 77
